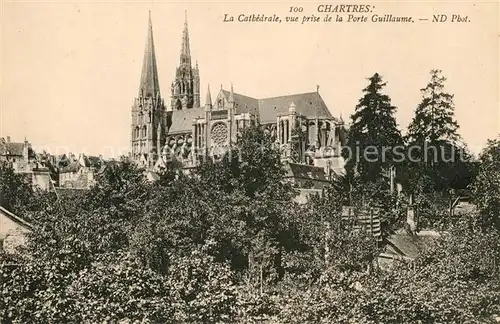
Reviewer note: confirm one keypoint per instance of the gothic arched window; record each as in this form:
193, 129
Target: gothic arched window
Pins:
144, 131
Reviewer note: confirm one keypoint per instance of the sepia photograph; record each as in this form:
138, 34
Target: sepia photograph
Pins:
249, 162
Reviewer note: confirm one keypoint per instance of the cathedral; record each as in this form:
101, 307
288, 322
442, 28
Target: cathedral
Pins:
185, 131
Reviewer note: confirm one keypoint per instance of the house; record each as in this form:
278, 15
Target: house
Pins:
13, 230
23, 160
305, 176
18, 154
79, 172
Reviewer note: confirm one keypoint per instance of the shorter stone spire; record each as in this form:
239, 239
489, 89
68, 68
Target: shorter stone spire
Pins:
292, 107
208, 100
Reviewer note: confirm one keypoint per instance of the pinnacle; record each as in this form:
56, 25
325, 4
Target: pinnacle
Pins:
185, 50
231, 94
208, 100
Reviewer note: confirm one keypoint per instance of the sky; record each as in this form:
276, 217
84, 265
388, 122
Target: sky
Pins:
70, 70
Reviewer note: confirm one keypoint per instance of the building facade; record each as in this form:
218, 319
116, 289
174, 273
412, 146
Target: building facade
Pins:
79, 173
186, 132
23, 160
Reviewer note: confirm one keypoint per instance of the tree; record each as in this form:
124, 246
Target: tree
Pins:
434, 117
246, 190
252, 165
15, 191
434, 149
486, 187
374, 135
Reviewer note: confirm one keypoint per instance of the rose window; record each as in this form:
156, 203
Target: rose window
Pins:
219, 134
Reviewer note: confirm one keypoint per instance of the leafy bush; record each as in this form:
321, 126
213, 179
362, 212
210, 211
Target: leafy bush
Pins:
228, 245
486, 188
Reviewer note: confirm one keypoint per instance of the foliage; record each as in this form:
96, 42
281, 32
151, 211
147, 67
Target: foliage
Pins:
462, 263
227, 244
486, 188
204, 290
434, 117
374, 134
350, 190
16, 192
434, 150
112, 288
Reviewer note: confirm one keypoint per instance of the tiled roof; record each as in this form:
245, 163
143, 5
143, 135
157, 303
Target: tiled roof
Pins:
408, 245
14, 148
182, 120
74, 166
308, 104
18, 220
243, 104
11, 148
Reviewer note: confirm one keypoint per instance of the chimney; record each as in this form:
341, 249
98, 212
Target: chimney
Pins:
26, 150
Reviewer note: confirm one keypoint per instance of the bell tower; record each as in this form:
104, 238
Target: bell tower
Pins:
148, 110
186, 85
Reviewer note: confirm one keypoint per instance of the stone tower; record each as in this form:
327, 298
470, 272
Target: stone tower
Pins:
148, 111
186, 86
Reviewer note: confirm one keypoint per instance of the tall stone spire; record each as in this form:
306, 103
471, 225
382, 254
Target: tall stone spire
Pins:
149, 86
148, 110
185, 51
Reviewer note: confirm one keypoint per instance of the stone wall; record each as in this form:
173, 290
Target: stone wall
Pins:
12, 231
